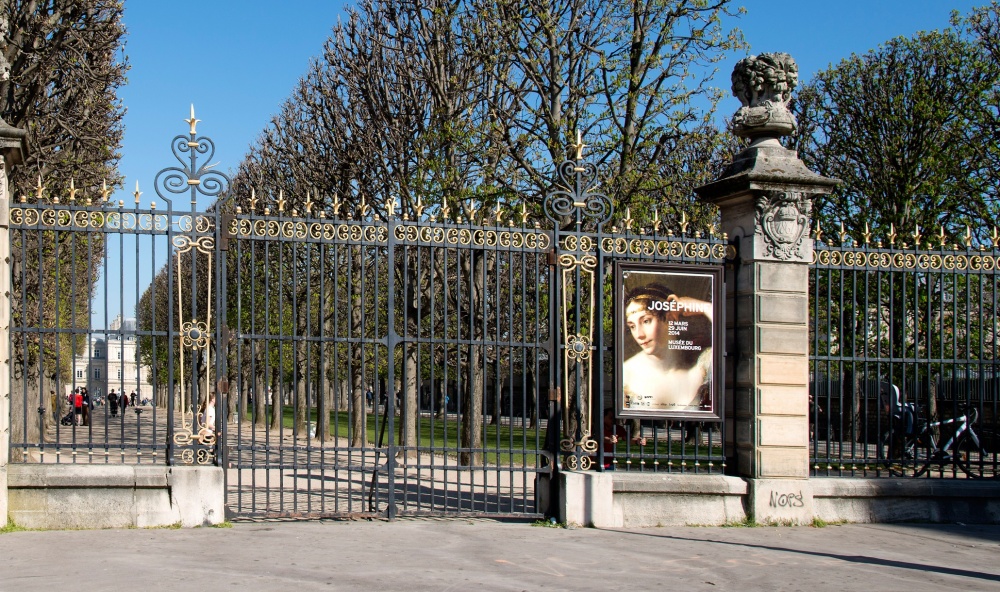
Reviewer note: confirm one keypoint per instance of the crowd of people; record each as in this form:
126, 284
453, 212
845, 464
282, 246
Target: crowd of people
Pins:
81, 404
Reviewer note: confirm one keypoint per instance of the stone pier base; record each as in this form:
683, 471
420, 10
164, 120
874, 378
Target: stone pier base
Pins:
115, 496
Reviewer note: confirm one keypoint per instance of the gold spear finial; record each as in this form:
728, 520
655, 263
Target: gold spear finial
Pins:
39, 190
192, 121
524, 213
867, 234
364, 207
843, 233
105, 192
137, 193
281, 200
253, 200
942, 237
309, 203
656, 220
419, 208
818, 234
498, 214
892, 235
995, 237
628, 219
72, 189
390, 207
684, 223
579, 145
917, 235
336, 205
445, 211
968, 236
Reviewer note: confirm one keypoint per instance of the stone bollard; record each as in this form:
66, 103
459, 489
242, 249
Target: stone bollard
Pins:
765, 200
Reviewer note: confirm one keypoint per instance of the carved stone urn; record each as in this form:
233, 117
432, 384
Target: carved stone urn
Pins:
764, 84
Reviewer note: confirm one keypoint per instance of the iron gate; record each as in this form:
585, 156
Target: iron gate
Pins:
365, 361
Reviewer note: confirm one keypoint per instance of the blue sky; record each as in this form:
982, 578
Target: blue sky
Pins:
237, 60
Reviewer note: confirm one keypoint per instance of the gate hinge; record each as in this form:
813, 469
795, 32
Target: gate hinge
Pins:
226, 231
552, 257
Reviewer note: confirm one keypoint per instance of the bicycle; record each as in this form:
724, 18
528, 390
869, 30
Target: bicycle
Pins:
911, 438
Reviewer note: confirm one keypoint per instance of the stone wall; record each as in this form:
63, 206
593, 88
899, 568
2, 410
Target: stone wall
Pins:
114, 496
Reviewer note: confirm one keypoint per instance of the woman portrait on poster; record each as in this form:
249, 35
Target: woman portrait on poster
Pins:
673, 369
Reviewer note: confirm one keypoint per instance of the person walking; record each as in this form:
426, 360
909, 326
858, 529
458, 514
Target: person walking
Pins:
113, 403
78, 406
87, 405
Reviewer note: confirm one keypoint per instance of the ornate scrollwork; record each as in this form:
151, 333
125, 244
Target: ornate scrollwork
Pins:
905, 260
579, 201
578, 348
191, 176
194, 334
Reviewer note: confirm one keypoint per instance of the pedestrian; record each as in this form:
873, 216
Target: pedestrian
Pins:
113, 403
132, 400
124, 402
88, 405
78, 406
369, 396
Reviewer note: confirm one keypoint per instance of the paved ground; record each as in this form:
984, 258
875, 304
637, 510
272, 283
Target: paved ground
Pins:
484, 555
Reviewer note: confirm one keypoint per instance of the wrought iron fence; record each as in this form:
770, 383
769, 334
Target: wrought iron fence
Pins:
362, 360
903, 357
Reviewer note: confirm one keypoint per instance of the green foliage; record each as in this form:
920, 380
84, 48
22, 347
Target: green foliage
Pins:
903, 127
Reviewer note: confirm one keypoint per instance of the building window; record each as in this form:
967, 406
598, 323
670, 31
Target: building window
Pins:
97, 353
119, 374
97, 372
79, 374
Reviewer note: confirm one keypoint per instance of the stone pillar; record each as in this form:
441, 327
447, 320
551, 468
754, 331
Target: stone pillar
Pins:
765, 200
12, 152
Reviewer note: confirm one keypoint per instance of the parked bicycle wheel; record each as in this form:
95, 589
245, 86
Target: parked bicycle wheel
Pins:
970, 456
904, 455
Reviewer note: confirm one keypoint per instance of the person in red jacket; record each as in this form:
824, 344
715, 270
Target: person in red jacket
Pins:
78, 406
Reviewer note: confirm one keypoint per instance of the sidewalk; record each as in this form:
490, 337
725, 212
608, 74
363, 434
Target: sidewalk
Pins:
484, 555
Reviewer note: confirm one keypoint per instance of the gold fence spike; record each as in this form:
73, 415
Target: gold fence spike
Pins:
968, 236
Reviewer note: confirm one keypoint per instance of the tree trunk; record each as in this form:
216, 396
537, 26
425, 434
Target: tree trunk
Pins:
472, 417
24, 423
276, 406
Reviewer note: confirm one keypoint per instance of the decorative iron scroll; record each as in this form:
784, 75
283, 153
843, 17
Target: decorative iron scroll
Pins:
195, 442
578, 202
914, 260
577, 438
191, 177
